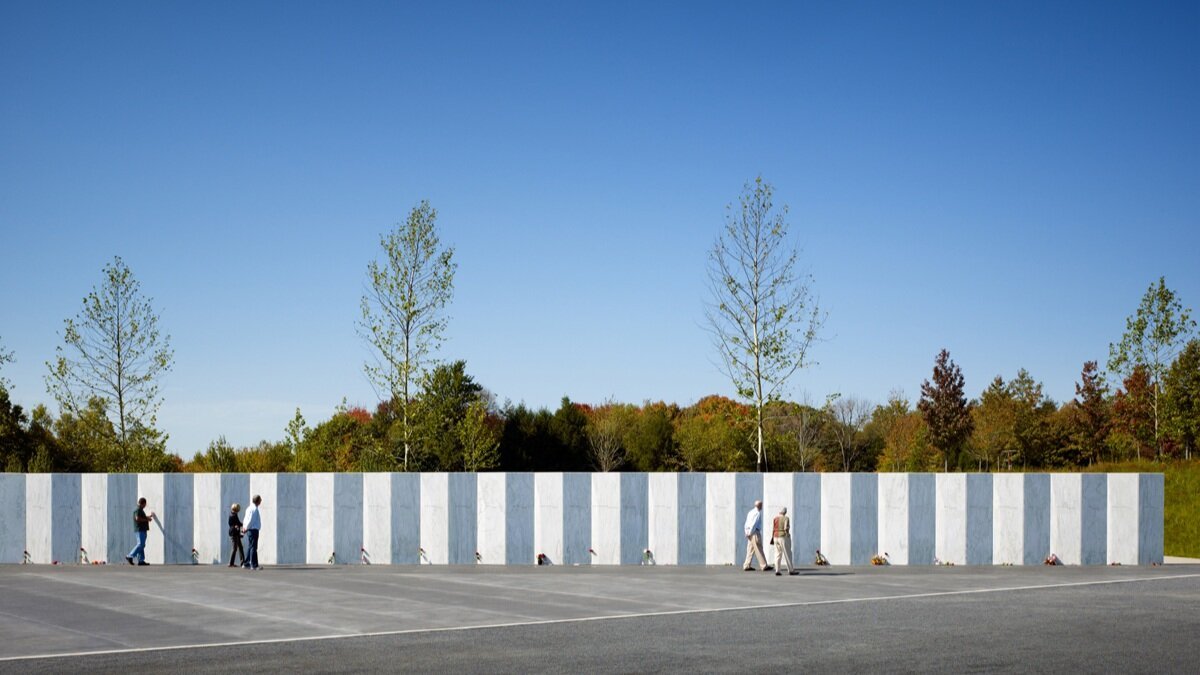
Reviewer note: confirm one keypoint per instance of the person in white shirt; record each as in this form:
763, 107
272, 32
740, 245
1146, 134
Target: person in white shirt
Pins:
250, 526
754, 539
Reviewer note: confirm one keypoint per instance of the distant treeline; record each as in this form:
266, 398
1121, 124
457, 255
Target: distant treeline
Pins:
457, 426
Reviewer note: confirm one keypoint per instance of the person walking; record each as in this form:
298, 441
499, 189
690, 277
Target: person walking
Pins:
141, 528
754, 539
781, 536
235, 535
252, 524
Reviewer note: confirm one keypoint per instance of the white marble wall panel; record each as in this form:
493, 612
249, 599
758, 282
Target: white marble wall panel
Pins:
548, 516
577, 518
980, 525
806, 519
319, 520
493, 530
1037, 518
178, 518
518, 518
291, 518
93, 522
721, 520
663, 497
635, 538
348, 517
1123, 513
893, 517
836, 517
38, 533
692, 489
152, 487
266, 486
122, 500
1151, 493
464, 521
1008, 513
1066, 526
406, 518
864, 517
435, 518
12, 524
377, 517
211, 524
606, 518
1095, 519
922, 519
952, 518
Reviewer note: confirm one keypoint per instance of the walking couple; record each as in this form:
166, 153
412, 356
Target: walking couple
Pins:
781, 537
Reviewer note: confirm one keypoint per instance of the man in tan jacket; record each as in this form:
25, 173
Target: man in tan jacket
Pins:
781, 536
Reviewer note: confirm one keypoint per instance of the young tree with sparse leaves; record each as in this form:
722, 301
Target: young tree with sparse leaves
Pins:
1093, 417
114, 351
403, 311
1153, 337
762, 315
946, 410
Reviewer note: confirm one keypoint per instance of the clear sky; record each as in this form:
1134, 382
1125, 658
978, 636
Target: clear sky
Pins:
1004, 180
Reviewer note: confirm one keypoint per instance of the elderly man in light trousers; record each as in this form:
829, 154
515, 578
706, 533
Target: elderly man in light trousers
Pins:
781, 536
754, 539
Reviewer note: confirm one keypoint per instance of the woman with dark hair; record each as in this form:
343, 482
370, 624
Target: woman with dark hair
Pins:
235, 535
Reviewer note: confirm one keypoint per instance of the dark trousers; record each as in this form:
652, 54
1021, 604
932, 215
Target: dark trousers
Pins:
238, 551
252, 549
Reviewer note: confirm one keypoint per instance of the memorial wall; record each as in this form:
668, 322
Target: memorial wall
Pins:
581, 518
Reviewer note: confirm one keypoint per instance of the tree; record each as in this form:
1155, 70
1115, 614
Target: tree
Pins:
5, 357
402, 312
650, 442
607, 427
849, 415
795, 431
1183, 397
1133, 430
994, 426
945, 410
479, 435
1091, 423
15, 447
711, 435
113, 351
1153, 337
447, 393
762, 314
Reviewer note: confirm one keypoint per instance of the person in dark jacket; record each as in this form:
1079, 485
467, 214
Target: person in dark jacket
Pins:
235, 535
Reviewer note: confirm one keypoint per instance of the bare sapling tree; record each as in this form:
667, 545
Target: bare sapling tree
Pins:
849, 414
403, 318
605, 431
113, 351
762, 314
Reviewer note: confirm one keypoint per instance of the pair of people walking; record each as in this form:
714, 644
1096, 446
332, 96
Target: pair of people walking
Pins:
249, 528
781, 537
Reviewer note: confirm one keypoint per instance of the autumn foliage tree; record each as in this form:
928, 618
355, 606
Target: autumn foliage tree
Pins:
944, 407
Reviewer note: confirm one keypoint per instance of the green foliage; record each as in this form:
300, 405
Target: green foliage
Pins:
402, 312
608, 427
1182, 386
220, 457
568, 427
447, 393
113, 351
1153, 337
762, 315
336, 444
16, 448
650, 438
5, 357
479, 436
1133, 430
714, 435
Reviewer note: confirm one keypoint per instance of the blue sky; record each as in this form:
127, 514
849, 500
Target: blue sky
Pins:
1004, 180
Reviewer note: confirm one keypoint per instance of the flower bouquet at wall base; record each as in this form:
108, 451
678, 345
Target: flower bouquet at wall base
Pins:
821, 560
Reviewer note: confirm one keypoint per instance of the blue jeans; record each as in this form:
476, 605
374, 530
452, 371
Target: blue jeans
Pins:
251, 549
139, 552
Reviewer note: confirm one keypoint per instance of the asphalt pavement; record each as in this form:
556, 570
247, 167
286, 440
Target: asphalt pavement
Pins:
598, 619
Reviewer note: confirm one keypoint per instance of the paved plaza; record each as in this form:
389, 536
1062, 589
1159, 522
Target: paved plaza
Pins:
597, 618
